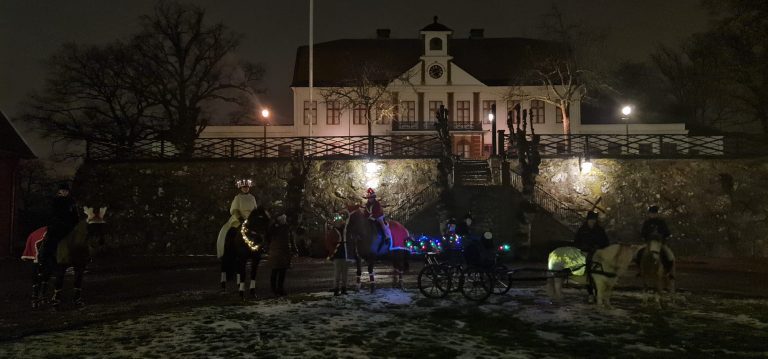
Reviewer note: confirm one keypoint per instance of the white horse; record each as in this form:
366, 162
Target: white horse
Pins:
611, 263
654, 274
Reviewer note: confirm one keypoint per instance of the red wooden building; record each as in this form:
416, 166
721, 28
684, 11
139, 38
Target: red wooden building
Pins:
13, 149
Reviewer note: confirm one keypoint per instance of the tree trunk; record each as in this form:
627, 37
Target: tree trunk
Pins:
370, 131
566, 124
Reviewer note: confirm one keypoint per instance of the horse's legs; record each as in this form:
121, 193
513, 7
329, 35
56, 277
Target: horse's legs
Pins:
59, 284
255, 259
241, 264
223, 280
371, 276
359, 272
37, 279
78, 286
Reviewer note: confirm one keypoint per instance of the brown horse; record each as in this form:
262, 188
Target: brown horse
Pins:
654, 274
365, 242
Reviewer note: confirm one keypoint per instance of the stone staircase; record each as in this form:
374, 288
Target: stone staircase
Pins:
473, 173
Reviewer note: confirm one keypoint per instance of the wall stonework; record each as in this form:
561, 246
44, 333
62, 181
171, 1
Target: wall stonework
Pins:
179, 207
713, 207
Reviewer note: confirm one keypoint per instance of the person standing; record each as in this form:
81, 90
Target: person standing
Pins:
339, 254
281, 250
242, 206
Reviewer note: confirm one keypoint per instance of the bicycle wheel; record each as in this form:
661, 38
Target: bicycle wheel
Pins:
477, 285
433, 282
502, 281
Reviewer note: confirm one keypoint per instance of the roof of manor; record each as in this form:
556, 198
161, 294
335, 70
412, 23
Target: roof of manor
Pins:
12, 144
492, 61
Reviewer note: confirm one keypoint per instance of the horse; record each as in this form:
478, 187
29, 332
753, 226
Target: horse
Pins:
366, 242
242, 244
653, 272
608, 264
74, 250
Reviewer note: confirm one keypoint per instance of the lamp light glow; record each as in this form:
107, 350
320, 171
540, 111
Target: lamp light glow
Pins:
626, 110
265, 113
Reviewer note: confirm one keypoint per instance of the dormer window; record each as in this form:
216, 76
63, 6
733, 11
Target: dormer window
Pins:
435, 44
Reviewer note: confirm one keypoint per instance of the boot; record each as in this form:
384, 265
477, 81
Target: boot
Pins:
77, 298
336, 292
344, 290
223, 286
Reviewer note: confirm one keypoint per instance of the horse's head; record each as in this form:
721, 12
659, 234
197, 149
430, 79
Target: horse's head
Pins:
95, 222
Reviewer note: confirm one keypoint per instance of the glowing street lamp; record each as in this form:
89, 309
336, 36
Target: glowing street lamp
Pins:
264, 119
626, 112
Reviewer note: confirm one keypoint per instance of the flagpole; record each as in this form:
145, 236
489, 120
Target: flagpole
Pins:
311, 64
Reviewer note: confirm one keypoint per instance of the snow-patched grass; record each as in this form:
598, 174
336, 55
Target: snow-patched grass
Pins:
397, 324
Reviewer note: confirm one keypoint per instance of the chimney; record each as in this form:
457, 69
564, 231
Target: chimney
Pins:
476, 33
382, 33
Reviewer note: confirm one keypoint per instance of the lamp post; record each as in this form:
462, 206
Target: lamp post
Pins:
264, 120
626, 112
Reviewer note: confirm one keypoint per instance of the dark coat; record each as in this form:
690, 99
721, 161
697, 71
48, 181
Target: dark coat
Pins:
655, 226
341, 249
280, 245
591, 239
64, 217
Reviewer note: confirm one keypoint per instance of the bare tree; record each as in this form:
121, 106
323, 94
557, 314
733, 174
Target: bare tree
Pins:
94, 93
189, 63
560, 67
368, 88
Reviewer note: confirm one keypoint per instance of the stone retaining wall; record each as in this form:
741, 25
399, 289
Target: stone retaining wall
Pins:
714, 207
179, 207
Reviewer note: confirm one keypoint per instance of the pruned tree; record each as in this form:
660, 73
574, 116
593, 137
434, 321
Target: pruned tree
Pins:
165, 82
369, 88
191, 68
740, 38
561, 68
94, 93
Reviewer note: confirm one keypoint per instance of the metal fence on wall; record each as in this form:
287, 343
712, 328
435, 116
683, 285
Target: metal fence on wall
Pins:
428, 146
350, 147
642, 146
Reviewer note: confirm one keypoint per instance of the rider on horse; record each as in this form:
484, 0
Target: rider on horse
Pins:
64, 218
589, 238
242, 206
375, 213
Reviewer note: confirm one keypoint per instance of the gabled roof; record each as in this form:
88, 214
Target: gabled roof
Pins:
494, 62
11, 142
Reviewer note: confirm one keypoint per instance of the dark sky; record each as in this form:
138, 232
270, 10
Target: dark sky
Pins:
30, 30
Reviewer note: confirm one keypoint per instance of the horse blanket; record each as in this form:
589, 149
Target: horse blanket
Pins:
568, 258
399, 235
34, 240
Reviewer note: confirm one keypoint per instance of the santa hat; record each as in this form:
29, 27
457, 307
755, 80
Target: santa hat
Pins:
370, 193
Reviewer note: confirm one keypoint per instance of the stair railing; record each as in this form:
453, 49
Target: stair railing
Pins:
549, 203
416, 202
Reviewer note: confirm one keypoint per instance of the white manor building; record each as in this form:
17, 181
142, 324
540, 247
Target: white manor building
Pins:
467, 76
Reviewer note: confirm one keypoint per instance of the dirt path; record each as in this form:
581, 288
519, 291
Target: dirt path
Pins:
123, 288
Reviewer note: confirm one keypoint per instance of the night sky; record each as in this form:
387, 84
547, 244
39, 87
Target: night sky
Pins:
32, 30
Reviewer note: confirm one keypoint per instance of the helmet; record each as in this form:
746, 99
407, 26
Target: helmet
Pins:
245, 182
591, 215
653, 209
370, 193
